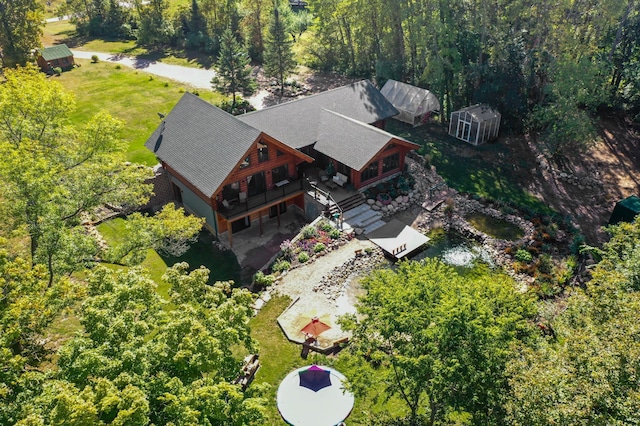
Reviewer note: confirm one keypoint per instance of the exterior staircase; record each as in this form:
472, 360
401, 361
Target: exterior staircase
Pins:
352, 202
364, 217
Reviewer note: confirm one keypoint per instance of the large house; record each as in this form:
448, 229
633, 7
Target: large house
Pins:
235, 170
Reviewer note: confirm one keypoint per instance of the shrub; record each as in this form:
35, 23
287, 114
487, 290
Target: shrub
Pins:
118, 67
287, 249
166, 84
94, 59
319, 247
303, 257
523, 256
242, 106
261, 280
309, 232
57, 70
325, 226
281, 266
334, 234
368, 250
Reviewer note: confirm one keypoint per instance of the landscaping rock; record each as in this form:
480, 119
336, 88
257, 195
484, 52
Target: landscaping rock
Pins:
371, 201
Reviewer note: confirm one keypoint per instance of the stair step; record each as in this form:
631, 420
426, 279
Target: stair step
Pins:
355, 211
373, 226
364, 217
369, 220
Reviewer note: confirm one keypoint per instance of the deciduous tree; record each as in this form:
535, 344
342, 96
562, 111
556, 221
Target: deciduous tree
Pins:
21, 24
439, 341
589, 373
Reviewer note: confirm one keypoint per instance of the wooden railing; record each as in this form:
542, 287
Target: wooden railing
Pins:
318, 193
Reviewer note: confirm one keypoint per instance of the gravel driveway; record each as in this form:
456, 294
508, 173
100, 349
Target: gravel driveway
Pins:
196, 77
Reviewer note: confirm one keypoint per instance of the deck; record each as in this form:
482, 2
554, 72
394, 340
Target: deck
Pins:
397, 239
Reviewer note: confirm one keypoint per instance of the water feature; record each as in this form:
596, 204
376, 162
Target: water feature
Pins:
455, 250
494, 227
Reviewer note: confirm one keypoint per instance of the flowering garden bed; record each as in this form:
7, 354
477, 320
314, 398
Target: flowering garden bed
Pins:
313, 241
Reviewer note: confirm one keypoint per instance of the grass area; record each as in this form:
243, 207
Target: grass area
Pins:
279, 357
223, 265
134, 97
57, 32
469, 174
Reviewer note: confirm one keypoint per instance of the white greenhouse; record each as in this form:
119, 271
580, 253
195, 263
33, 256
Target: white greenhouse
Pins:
475, 124
414, 103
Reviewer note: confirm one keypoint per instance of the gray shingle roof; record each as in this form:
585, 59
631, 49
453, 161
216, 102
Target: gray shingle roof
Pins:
56, 52
296, 123
201, 142
349, 141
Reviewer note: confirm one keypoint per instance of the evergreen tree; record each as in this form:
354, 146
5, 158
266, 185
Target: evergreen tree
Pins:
233, 72
278, 56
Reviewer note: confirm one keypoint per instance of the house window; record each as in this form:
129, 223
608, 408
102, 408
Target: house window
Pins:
279, 153
256, 184
391, 162
246, 162
370, 172
390, 146
230, 192
65, 61
279, 173
263, 152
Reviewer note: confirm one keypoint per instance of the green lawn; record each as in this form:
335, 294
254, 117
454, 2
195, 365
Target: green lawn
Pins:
469, 174
134, 97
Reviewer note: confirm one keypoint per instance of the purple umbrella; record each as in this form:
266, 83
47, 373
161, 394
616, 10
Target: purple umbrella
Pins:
315, 378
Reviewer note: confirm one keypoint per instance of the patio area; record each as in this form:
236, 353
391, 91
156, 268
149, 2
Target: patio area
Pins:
254, 250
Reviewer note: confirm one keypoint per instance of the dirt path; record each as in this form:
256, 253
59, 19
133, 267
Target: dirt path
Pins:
196, 77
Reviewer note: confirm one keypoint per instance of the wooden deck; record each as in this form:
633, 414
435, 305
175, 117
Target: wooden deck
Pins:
397, 239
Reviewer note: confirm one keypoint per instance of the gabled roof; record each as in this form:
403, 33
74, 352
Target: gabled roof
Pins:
412, 99
352, 142
480, 112
296, 123
202, 142
55, 52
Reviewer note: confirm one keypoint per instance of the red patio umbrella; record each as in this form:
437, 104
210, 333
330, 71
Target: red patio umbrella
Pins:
315, 327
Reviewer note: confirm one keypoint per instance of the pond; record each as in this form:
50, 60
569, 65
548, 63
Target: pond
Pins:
496, 228
455, 250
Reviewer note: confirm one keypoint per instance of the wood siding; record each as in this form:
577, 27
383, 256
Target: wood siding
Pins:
355, 177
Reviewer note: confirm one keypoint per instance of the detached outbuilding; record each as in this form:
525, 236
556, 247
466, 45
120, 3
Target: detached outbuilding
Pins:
59, 56
625, 210
414, 103
475, 124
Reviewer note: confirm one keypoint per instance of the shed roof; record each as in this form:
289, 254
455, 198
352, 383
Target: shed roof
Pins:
56, 52
480, 112
412, 99
352, 142
201, 142
296, 123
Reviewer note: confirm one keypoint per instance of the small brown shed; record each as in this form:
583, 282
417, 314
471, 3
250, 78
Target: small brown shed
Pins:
55, 56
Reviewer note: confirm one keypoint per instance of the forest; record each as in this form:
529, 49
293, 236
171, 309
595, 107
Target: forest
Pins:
443, 347
549, 67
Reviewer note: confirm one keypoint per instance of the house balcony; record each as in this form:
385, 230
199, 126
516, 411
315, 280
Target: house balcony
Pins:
281, 191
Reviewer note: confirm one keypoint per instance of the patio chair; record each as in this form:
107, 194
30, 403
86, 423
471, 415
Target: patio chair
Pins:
242, 197
323, 176
225, 203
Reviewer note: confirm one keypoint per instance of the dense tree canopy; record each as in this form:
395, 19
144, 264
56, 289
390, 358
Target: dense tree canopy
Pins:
21, 24
590, 373
439, 341
139, 362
